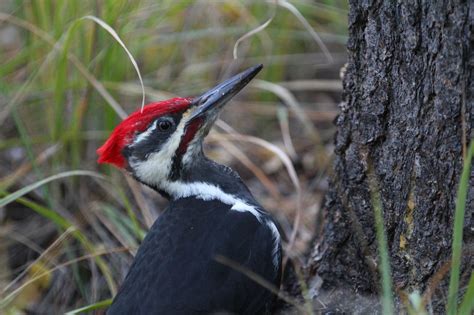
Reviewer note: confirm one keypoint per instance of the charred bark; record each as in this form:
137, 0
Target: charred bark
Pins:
407, 112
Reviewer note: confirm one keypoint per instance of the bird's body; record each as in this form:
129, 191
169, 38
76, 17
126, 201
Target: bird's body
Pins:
211, 216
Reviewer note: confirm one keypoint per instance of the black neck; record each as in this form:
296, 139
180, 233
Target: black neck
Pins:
208, 171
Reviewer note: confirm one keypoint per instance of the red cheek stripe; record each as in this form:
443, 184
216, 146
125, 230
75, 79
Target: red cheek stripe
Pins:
189, 134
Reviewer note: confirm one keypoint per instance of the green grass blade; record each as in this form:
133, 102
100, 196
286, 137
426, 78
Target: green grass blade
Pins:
467, 304
382, 247
91, 307
457, 232
114, 34
45, 212
23, 191
26, 141
133, 218
123, 225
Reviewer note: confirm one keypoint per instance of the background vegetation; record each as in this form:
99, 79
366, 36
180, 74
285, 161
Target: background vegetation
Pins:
65, 82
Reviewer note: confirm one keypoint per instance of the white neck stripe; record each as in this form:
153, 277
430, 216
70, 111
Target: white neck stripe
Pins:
206, 191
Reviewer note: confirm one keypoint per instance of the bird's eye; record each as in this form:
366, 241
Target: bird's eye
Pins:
164, 125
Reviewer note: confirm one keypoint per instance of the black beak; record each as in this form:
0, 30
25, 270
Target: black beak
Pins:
217, 97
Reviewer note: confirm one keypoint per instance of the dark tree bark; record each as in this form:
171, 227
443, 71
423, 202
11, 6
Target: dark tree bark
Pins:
408, 112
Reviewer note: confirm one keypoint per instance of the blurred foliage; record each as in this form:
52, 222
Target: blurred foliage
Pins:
61, 75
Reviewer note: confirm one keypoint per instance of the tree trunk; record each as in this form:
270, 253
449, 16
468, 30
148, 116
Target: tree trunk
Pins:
408, 114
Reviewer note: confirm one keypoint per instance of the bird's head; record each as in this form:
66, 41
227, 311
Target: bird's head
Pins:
155, 144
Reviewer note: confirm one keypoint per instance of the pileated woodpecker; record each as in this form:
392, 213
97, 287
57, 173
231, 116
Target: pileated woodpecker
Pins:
211, 213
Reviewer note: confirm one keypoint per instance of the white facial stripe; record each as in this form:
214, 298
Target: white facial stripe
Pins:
191, 151
145, 134
156, 168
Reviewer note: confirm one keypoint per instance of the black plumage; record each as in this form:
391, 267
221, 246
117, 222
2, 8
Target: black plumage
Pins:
175, 271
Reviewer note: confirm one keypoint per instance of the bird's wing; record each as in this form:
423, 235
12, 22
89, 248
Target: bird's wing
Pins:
175, 271
249, 247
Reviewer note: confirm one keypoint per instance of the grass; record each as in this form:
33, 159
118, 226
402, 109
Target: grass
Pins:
467, 305
382, 246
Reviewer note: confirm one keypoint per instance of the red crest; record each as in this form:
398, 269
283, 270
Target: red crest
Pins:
111, 151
